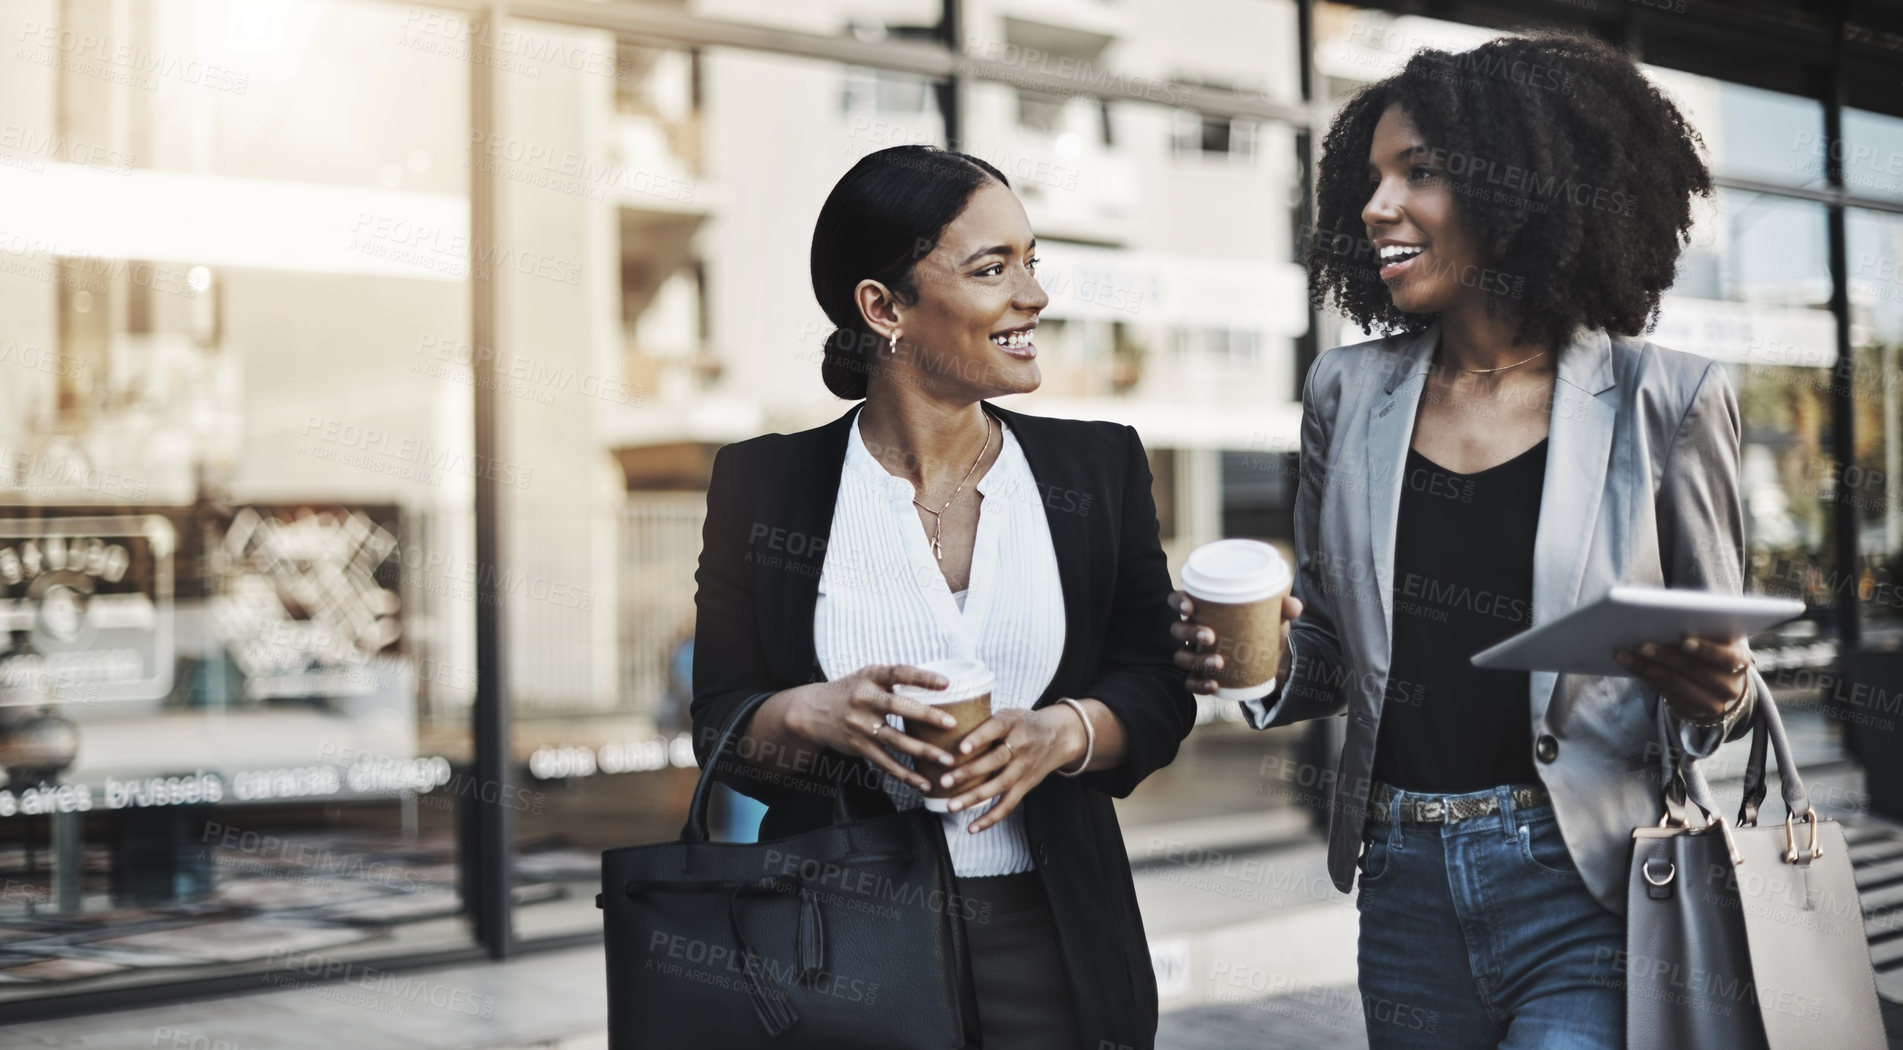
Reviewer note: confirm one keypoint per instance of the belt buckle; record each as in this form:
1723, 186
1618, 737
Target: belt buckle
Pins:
1432, 811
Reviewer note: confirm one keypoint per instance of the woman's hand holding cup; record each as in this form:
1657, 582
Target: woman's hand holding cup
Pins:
1007, 769
1200, 657
849, 715
965, 699
1236, 607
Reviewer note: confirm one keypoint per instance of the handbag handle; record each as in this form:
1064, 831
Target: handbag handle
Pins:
1681, 781
1684, 776
1755, 786
695, 830
1768, 725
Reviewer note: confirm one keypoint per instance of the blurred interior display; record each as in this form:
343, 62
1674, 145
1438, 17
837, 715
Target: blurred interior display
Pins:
234, 498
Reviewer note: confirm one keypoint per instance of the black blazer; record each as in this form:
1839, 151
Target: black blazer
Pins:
769, 512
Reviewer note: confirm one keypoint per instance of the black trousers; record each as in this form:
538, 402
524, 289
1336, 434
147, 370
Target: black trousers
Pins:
1024, 1000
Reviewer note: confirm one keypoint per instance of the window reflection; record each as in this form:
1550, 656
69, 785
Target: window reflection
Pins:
1166, 260
1874, 483
235, 467
1872, 154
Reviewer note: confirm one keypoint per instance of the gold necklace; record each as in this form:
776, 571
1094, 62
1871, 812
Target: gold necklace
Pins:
1469, 371
938, 516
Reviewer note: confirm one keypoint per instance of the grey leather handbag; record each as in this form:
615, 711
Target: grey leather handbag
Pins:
1745, 937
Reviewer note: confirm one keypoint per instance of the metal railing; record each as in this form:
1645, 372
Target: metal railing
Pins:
656, 551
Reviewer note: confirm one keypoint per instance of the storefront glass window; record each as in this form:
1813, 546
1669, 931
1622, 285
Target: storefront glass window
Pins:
1169, 279
1874, 483
235, 481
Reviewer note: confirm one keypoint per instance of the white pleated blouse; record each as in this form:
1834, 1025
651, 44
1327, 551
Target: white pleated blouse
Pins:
884, 600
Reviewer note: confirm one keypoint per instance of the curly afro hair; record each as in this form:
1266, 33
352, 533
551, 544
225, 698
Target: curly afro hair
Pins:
1572, 171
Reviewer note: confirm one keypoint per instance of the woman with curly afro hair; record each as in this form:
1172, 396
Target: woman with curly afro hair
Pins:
1506, 218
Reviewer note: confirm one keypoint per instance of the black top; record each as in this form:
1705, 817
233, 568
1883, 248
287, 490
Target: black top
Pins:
769, 513
1463, 580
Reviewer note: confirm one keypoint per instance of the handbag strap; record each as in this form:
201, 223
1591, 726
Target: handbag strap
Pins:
1681, 781
1684, 776
1768, 725
1755, 786
696, 828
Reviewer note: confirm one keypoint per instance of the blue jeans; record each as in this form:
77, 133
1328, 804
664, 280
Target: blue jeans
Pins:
1482, 934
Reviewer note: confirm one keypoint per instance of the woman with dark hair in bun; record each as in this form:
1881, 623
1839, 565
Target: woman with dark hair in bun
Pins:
928, 524
1511, 448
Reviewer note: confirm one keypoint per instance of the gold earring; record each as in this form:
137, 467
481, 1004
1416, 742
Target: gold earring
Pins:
893, 346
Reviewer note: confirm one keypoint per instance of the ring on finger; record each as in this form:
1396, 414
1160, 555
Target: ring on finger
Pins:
1738, 668
877, 729
1012, 754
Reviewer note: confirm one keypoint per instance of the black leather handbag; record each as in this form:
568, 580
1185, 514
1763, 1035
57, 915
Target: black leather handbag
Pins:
1741, 937
847, 937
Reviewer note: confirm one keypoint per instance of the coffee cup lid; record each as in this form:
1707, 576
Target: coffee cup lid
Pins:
969, 678
1235, 571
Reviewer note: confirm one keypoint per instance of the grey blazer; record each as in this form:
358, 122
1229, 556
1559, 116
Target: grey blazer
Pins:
1641, 487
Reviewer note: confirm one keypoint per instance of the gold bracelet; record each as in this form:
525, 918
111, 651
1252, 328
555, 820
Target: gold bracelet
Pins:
1090, 738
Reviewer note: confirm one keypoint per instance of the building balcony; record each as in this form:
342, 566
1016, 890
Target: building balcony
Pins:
1059, 27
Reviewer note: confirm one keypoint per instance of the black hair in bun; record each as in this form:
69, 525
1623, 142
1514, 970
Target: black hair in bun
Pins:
881, 218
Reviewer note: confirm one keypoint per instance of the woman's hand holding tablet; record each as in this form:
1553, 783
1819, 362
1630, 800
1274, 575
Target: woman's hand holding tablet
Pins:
1689, 645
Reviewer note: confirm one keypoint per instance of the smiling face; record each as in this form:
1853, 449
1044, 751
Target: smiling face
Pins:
1428, 260
969, 332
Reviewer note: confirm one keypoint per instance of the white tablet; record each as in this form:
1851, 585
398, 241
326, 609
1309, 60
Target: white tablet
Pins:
1583, 641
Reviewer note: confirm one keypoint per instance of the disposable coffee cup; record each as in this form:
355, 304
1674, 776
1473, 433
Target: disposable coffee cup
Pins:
1237, 587
967, 699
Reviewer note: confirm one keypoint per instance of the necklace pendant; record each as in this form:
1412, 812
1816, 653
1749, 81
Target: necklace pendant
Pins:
937, 551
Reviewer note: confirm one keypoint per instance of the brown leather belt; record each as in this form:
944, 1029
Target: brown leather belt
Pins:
1428, 809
